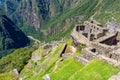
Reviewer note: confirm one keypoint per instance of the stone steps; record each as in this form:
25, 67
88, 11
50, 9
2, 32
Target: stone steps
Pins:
81, 60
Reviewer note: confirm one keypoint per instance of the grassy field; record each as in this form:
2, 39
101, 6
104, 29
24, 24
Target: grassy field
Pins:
66, 69
95, 70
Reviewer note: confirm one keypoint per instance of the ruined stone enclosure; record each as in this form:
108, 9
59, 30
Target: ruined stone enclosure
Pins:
91, 30
100, 43
88, 31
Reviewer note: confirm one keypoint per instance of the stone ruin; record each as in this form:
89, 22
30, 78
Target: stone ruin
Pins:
101, 42
88, 31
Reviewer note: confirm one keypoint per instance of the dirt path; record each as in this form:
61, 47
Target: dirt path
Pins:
36, 40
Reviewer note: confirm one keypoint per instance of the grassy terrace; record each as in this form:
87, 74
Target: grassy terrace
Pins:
95, 70
66, 69
69, 69
47, 64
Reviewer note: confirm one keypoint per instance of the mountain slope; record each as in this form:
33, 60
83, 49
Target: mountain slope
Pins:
10, 35
57, 17
108, 11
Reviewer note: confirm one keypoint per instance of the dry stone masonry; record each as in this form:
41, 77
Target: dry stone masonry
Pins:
102, 42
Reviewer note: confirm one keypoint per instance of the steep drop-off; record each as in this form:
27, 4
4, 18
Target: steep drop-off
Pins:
10, 35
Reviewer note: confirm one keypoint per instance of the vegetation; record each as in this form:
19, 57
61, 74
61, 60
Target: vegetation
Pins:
56, 29
86, 9
65, 69
11, 37
108, 11
68, 69
8, 76
95, 70
46, 66
29, 30
69, 42
79, 48
16, 60
101, 10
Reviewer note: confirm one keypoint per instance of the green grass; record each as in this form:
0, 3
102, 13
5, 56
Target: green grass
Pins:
79, 48
86, 8
16, 60
68, 69
8, 76
47, 65
95, 70
107, 11
69, 42
65, 70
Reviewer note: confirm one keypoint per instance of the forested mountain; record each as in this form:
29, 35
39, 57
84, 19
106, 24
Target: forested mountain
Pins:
10, 35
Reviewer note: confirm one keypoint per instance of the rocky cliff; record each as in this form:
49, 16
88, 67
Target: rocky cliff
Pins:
38, 12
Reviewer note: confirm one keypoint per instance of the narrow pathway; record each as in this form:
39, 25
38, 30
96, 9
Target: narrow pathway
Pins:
36, 40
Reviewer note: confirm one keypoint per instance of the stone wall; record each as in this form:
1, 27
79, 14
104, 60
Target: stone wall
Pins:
102, 49
112, 52
62, 51
87, 54
115, 54
78, 38
98, 41
81, 60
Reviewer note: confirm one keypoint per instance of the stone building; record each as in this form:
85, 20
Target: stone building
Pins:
99, 42
87, 32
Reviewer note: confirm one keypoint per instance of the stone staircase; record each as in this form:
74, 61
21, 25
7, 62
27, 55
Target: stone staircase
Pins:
81, 60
